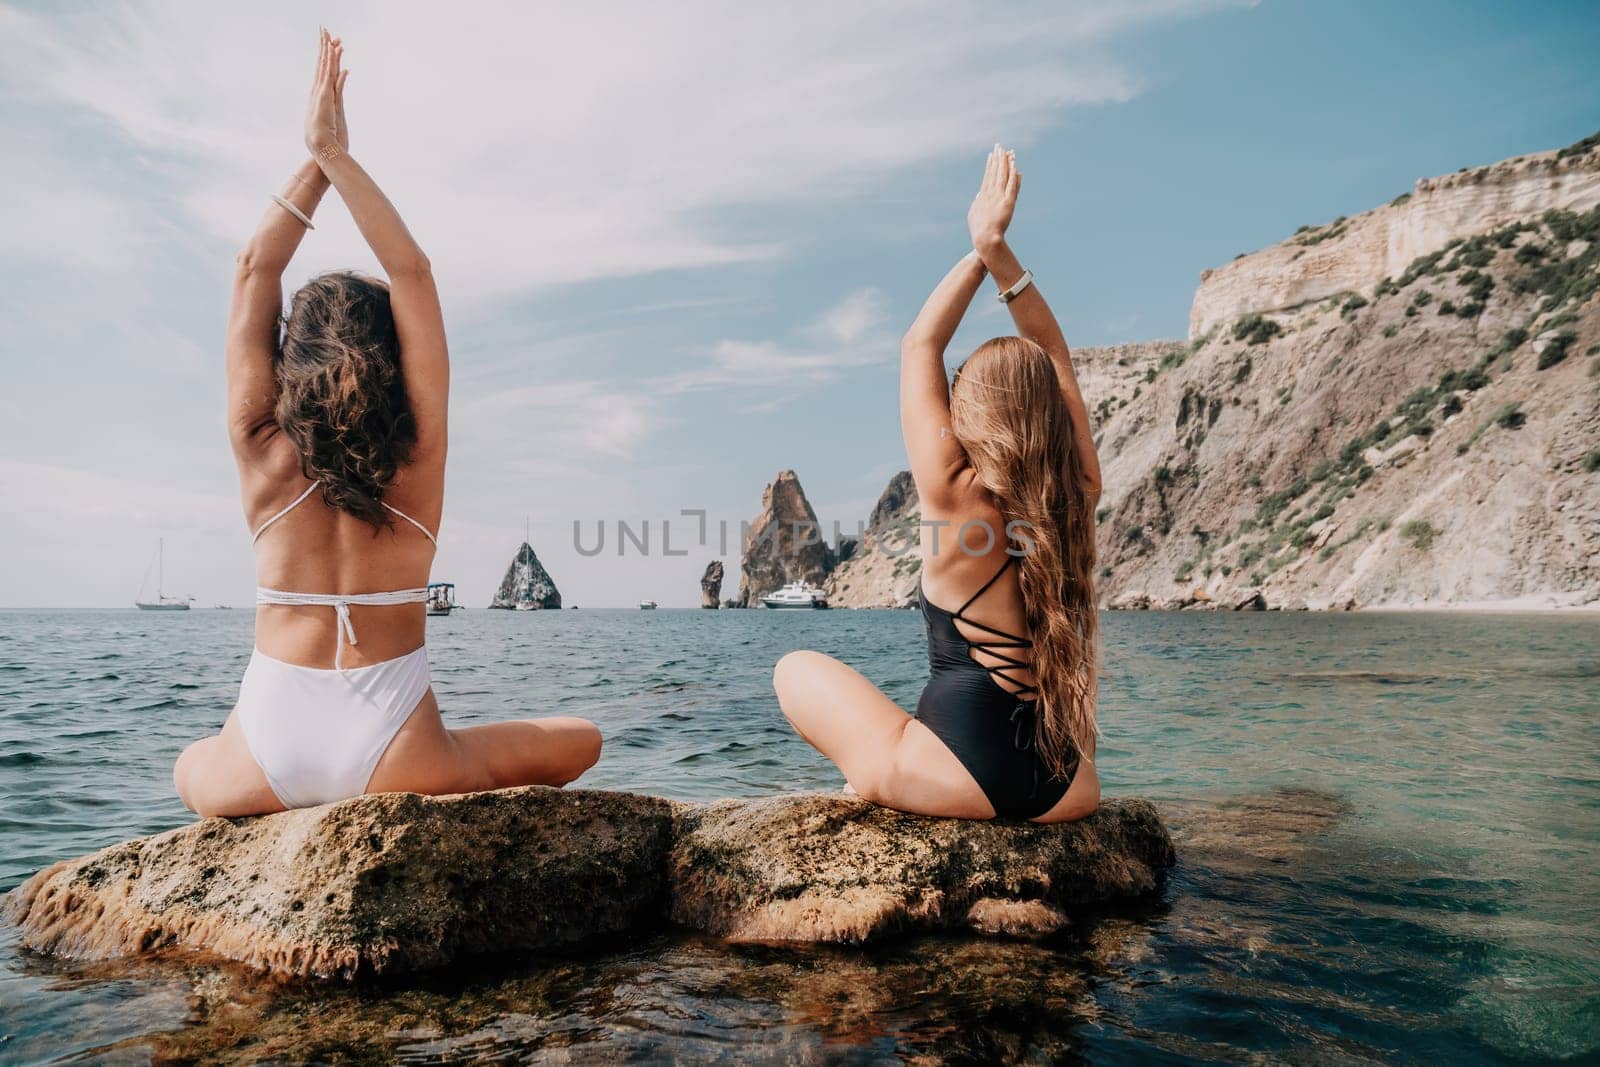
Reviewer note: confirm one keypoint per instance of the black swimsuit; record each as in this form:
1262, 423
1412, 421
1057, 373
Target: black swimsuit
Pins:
988, 727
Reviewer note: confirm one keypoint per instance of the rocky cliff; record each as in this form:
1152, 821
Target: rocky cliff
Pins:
711, 585
1354, 254
1352, 428
396, 882
883, 568
783, 543
526, 580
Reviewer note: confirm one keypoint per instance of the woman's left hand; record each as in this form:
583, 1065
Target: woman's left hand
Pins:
996, 201
325, 125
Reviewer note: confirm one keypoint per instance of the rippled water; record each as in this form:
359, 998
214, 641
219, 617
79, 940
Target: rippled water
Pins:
1388, 827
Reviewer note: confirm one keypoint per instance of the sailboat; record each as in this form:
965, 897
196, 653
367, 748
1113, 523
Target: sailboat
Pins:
162, 602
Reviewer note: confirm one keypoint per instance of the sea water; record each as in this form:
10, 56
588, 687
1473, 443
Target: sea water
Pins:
1388, 829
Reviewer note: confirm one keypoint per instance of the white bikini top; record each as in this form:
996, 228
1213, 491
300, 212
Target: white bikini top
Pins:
339, 602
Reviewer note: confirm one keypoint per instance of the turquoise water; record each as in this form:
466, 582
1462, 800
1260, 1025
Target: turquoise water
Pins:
1388, 827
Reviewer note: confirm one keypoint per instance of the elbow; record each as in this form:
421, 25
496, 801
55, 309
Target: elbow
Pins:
915, 343
412, 267
252, 261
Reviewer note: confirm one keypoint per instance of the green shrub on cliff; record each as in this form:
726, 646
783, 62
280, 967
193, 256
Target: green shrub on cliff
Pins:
1255, 330
1578, 148
1510, 417
1555, 349
1420, 532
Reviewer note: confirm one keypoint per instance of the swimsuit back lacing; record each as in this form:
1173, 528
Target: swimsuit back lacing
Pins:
983, 712
1001, 640
339, 602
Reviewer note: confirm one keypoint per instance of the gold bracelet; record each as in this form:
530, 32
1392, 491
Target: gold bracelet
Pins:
303, 182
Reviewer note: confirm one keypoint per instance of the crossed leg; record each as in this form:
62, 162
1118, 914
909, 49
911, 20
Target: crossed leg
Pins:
219, 776
887, 756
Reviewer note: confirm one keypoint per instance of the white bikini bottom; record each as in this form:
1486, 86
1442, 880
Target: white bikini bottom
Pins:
318, 734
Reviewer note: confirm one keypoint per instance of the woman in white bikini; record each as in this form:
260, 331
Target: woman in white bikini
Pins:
338, 427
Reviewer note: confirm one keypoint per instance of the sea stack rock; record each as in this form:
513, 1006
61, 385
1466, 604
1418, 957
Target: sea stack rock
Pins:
883, 569
784, 543
526, 581
711, 585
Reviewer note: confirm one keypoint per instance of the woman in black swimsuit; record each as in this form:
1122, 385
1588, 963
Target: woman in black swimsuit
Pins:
1005, 465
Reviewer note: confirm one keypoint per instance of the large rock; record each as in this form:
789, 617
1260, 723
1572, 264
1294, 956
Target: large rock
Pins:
784, 543
526, 581
834, 868
883, 569
388, 883
398, 883
711, 585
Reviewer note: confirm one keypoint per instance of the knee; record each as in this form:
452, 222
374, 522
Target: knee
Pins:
583, 750
790, 671
589, 745
183, 774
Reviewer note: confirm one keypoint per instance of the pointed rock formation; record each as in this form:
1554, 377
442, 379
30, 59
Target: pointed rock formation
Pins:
711, 585
526, 580
883, 568
783, 543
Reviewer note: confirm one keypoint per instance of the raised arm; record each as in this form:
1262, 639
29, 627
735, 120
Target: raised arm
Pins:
938, 462
257, 302
990, 216
413, 298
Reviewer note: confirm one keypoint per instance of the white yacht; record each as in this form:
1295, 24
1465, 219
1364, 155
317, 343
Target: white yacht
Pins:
796, 595
647, 605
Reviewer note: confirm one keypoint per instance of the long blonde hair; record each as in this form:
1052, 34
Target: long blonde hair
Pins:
1007, 411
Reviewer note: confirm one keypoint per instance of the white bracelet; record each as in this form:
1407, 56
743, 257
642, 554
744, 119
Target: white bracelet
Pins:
1008, 295
291, 209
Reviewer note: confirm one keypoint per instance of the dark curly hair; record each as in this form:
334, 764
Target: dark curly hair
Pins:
341, 399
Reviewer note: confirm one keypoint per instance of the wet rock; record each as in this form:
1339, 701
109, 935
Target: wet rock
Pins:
1248, 600
835, 868
387, 883
398, 883
711, 584
1130, 601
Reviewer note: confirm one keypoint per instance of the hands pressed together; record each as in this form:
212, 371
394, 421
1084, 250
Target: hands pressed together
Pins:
327, 133
991, 210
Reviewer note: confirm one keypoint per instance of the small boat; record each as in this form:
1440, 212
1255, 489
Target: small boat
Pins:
162, 602
527, 605
801, 595
441, 598
647, 605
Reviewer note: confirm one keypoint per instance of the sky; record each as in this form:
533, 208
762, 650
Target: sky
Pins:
676, 244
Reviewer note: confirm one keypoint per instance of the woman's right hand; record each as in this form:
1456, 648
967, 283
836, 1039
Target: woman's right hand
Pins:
326, 130
996, 201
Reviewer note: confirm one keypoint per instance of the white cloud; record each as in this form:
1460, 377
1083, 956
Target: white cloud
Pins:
849, 320
849, 334
537, 145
